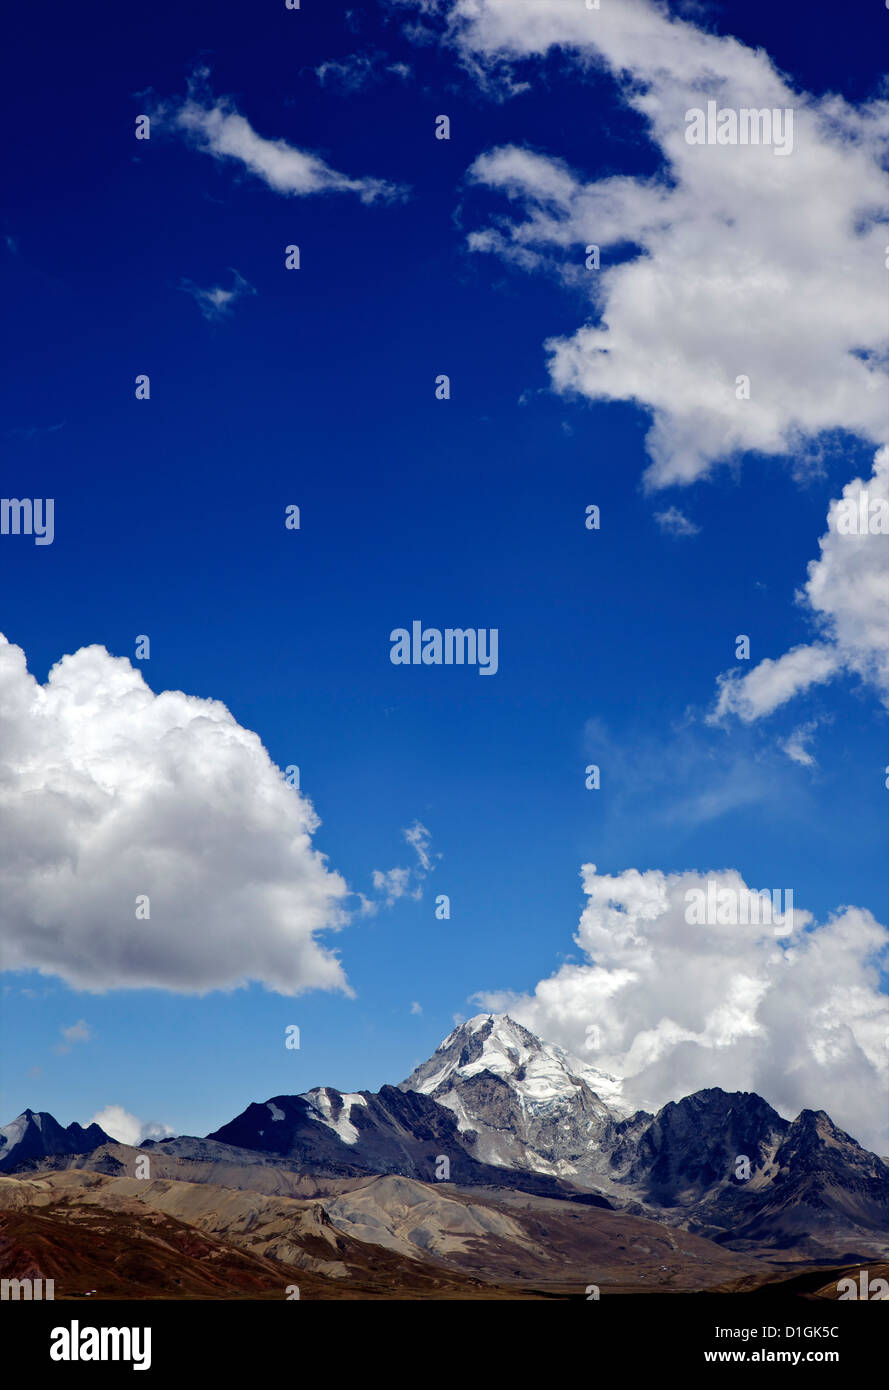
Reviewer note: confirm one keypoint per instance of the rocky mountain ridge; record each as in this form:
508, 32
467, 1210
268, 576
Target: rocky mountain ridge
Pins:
496, 1108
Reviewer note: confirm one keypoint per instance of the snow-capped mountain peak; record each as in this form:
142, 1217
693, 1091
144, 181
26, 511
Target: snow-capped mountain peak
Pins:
518, 1100
497, 1044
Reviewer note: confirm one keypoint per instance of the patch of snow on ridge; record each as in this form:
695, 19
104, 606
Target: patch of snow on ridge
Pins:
322, 1109
13, 1133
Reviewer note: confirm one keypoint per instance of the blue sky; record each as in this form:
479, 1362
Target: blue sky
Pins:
316, 387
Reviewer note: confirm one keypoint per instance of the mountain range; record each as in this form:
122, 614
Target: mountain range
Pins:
502, 1159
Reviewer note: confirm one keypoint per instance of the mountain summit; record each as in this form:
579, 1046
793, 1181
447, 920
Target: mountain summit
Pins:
35, 1135
496, 1043
519, 1102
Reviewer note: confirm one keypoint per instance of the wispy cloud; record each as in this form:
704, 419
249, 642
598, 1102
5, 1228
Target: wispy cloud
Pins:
360, 70
217, 303
796, 745
395, 884
676, 523
32, 431
215, 126
77, 1033
406, 882
687, 777
419, 839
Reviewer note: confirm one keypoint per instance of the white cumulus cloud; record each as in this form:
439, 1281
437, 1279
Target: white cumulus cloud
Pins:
725, 272
126, 1128
109, 793
735, 252
675, 1007
847, 597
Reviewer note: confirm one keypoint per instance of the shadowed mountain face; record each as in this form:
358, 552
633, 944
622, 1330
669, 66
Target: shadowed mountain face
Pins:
34, 1136
392, 1131
728, 1166
693, 1145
